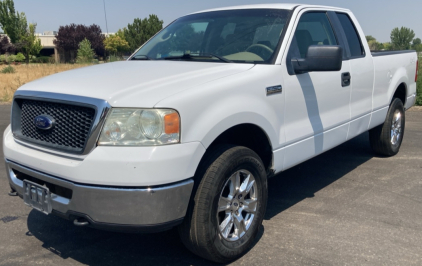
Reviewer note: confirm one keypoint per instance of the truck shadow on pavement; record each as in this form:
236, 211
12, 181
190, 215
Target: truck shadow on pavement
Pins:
304, 180
95, 247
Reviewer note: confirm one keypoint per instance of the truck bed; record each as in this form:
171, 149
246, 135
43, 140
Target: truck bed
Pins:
392, 69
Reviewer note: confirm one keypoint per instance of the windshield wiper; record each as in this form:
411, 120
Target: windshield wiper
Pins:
191, 56
141, 57
219, 57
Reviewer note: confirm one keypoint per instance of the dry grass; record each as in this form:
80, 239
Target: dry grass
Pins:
416, 109
10, 82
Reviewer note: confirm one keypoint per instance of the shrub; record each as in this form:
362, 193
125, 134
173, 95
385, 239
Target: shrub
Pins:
32, 58
41, 60
20, 57
11, 58
8, 69
113, 58
85, 52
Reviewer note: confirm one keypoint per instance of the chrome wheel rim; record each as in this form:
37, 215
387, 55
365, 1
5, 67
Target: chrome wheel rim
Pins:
396, 129
237, 205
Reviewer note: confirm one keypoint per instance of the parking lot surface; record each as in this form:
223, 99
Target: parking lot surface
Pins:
344, 207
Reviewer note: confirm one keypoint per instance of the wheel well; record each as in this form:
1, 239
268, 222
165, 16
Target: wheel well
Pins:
250, 136
401, 93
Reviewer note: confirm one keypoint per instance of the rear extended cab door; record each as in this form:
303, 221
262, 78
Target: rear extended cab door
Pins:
362, 70
317, 104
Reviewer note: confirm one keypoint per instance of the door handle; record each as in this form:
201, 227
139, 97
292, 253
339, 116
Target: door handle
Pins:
346, 79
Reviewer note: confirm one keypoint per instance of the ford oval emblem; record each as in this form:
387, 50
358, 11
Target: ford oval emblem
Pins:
44, 122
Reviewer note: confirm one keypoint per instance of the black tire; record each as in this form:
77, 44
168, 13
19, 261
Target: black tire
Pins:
380, 136
200, 229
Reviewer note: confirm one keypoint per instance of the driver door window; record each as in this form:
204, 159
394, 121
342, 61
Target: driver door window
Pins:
313, 29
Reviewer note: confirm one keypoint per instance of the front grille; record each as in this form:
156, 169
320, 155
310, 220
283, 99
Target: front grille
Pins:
70, 131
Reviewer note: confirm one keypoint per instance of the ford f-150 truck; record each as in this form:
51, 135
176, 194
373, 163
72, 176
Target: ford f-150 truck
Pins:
187, 131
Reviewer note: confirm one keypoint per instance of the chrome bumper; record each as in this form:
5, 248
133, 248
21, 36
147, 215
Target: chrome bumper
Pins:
110, 206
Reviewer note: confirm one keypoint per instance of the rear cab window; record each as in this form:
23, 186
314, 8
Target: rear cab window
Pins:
352, 36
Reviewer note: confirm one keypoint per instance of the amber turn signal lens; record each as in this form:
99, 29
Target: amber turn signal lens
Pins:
172, 123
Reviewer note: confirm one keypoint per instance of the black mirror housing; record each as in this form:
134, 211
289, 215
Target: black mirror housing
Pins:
319, 59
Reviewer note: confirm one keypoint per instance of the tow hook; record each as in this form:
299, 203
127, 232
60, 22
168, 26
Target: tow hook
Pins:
80, 222
12, 193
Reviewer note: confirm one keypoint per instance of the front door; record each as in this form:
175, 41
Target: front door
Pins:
317, 110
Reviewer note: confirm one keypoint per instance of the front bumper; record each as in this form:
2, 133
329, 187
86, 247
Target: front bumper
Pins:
112, 166
115, 208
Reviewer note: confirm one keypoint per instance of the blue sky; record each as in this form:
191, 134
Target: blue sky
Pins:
377, 18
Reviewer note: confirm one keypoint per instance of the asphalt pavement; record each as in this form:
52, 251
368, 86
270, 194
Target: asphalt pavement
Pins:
344, 207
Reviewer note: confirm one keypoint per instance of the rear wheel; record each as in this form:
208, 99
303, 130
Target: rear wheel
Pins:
229, 205
386, 139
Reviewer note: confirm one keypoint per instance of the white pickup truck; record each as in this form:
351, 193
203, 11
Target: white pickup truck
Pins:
187, 131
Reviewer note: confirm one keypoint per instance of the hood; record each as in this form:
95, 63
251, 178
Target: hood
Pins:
134, 83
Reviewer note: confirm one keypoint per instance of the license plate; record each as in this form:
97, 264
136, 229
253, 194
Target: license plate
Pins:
37, 197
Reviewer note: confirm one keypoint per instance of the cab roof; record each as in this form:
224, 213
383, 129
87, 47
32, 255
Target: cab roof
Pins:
269, 6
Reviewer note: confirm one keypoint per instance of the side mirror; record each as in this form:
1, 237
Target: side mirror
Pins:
319, 58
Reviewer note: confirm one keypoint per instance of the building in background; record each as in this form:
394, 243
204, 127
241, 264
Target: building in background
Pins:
47, 42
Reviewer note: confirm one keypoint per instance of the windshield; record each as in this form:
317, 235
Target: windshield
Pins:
240, 36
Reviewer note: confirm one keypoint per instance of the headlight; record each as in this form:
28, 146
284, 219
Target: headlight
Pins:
138, 127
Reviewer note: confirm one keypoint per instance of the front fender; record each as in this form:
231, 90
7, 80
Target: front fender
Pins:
209, 110
216, 119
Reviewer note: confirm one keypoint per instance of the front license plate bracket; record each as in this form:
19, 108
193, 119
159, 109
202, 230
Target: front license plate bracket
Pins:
37, 197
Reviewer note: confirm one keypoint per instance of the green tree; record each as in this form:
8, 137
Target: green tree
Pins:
13, 23
370, 38
417, 45
85, 52
116, 45
401, 38
141, 31
121, 33
387, 46
29, 44
374, 45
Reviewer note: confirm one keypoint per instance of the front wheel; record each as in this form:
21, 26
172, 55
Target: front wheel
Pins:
386, 139
229, 205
